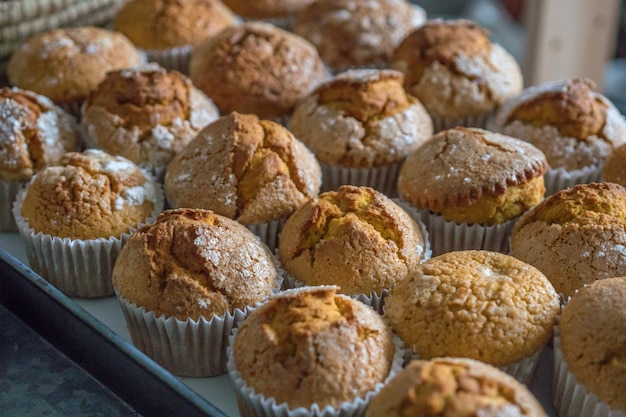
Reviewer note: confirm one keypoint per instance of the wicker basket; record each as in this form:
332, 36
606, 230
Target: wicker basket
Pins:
21, 19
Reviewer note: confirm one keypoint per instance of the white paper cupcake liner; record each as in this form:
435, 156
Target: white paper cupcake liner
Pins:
78, 268
190, 348
172, 58
569, 396
268, 232
383, 179
444, 123
8, 193
374, 299
446, 236
560, 179
253, 404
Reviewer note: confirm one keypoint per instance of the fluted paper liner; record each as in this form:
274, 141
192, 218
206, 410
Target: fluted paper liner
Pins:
382, 178
557, 179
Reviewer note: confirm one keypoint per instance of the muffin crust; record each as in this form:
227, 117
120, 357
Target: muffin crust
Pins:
482, 305
192, 263
312, 345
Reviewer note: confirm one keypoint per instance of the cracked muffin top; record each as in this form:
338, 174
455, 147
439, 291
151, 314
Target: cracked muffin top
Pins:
90, 195
569, 120
355, 238
454, 69
361, 118
146, 114
162, 24
453, 387
576, 236
256, 68
471, 175
482, 305
251, 170
193, 263
593, 339
312, 345
34, 133
351, 34
66, 64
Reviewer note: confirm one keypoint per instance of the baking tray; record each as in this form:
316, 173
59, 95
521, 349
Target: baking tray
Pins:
128, 375
92, 333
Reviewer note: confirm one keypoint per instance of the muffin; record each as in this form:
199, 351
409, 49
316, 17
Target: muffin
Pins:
310, 349
251, 170
481, 305
453, 386
349, 34
75, 217
471, 185
360, 125
168, 30
355, 238
66, 64
574, 125
454, 69
576, 236
613, 167
589, 351
34, 133
185, 280
146, 114
256, 68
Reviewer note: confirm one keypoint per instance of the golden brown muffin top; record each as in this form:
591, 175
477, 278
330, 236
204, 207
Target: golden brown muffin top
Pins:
475, 304
453, 68
613, 168
593, 339
193, 263
146, 114
457, 167
256, 68
361, 118
162, 24
34, 133
355, 237
351, 34
244, 168
569, 120
266, 9
453, 387
575, 236
66, 64
89, 195
312, 345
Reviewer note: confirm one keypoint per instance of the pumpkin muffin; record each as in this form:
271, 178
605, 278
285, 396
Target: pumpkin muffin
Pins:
146, 114
360, 125
251, 170
453, 386
574, 125
576, 236
355, 238
66, 64
471, 185
356, 34
311, 348
75, 217
167, 31
589, 351
481, 305
256, 68
454, 69
34, 133
185, 280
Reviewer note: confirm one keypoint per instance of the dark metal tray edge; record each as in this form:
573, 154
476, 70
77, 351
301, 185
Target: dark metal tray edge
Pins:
119, 366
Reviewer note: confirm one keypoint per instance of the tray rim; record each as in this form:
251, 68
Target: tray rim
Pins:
136, 379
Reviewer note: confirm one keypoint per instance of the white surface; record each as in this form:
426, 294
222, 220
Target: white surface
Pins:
219, 390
